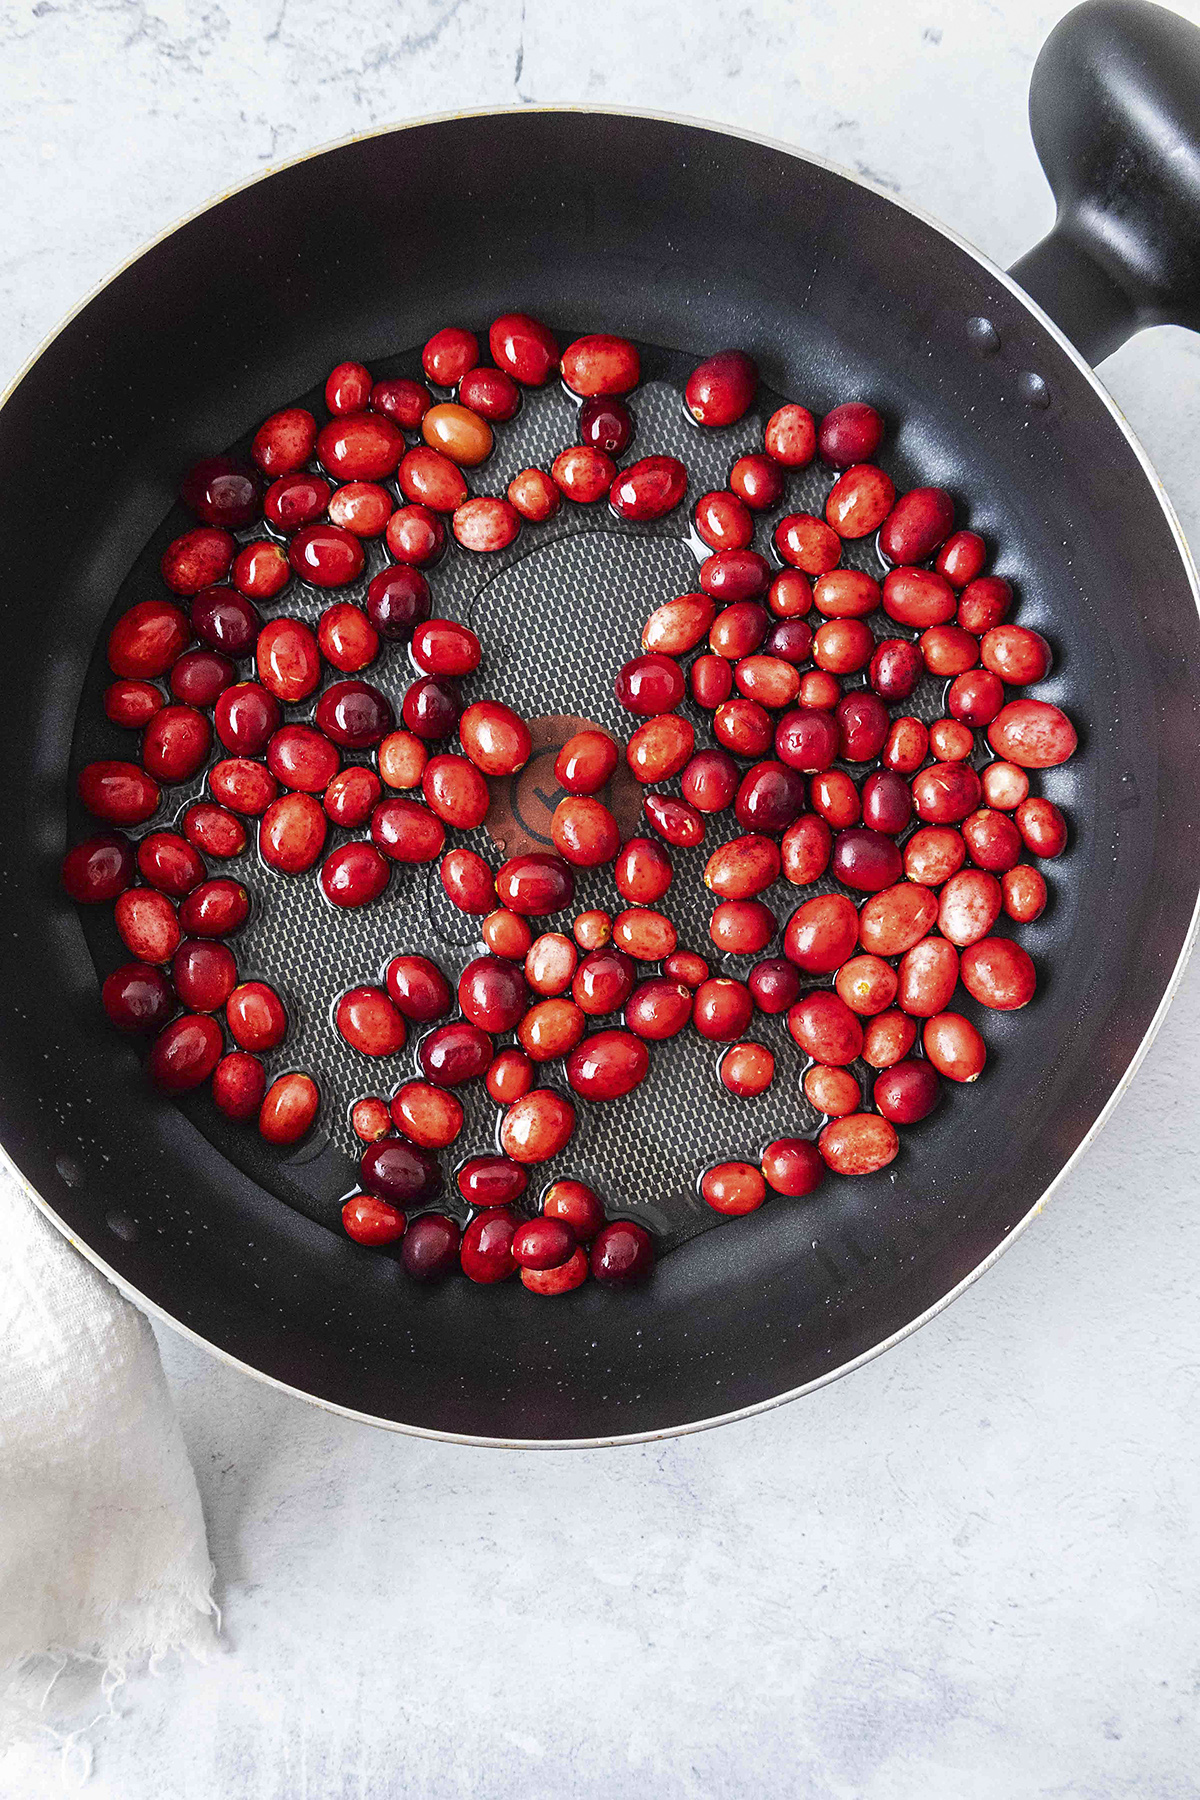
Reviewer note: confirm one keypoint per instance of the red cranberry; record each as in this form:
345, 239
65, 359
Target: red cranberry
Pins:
326, 555
535, 496
418, 988
543, 1244
984, 604
675, 820
176, 743
711, 780
649, 685
291, 835
297, 500
790, 639
771, 795
711, 680
138, 998
608, 1065
603, 981
370, 1021
742, 927
859, 501
793, 1166
658, 1009
197, 559
886, 802
537, 1126
284, 442
197, 679
851, 433
168, 862
600, 364
220, 491
131, 703
863, 722
946, 793
456, 791
147, 924
371, 1221
214, 829
118, 792
215, 908
430, 1250
362, 447
808, 544
256, 1016
354, 874
468, 882
415, 536
239, 1083
585, 762
622, 1254
455, 1053
759, 481
261, 570
490, 393
486, 1250
806, 848
492, 993
406, 831
535, 884
98, 869
401, 1173
774, 984
524, 347
398, 600
204, 973
583, 474
722, 1009
242, 785
404, 401
917, 525
147, 639
226, 619
790, 436
807, 740
449, 354
735, 575
432, 707
348, 388
486, 525
649, 489
491, 1181
605, 424
722, 389
185, 1053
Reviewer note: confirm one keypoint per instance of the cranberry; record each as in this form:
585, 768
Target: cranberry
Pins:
918, 597
825, 1028
431, 1248
534, 495
242, 785
770, 797
807, 740
645, 935
605, 424
402, 759
834, 796
361, 507
866, 860
961, 558
370, 1022
946, 793
524, 347
907, 1092
426, 1115
354, 714
859, 501
774, 984
363, 446
256, 1016
492, 993
747, 1070
710, 781
658, 1009
790, 639
543, 1244
450, 354
491, 1181
867, 984
928, 976
131, 703
808, 544
758, 481
805, 850
603, 981
371, 1221
226, 619
296, 500
550, 963
176, 743
509, 1076
722, 389
354, 874
214, 829
429, 479
998, 973
742, 927
722, 1009
886, 802
975, 697
1004, 785
261, 570
790, 594
733, 1188
984, 604
648, 489
586, 762
858, 1145
399, 1172
993, 840
468, 882
147, 924
738, 630
608, 1065
432, 708
288, 659
220, 491
138, 998
792, 1166
118, 792
197, 559
1042, 828
584, 832
592, 929
968, 907
743, 726
954, 1047
486, 1251
906, 746
185, 1053
462, 435
168, 862
215, 908
551, 1028
583, 474
490, 393
846, 594
538, 1125
406, 831
822, 933
711, 681
851, 433
743, 867
204, 973
622, 1254
370, 1119
819, 689
734, 575
419, 988
888, 1038
456, 791
895, 668
674, 820
198, 679
284, 442
767, 679
404, 401
892, 921
98, 869
455, 1053
535, 884
600, 364
495, 738
346, 637
238, 1084
486, 525
1024, 893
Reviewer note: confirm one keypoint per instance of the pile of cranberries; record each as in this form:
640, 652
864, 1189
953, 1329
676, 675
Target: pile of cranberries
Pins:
921, 827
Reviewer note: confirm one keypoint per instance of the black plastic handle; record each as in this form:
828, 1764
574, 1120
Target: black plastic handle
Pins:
1114, 105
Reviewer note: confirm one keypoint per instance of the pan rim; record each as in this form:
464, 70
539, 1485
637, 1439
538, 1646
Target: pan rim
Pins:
689, 1427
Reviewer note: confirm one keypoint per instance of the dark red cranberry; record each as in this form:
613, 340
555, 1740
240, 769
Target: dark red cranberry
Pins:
297, 500
246, 717
399, 1172
886, 802
352, 796
185, 1053
733, 575
118, 792
215, 908
226, 619
220, 491
807, 739
430, 1249
199, 677
491, 1181
204, 973
176, 743
418, 988
170, 863
239, 1083
432, 708
491, 393
863, 723
354, 874
908, 1091
492, 993
138, 998
354, 714
789, 639
622, 1254
722, 388
543, 1244
867, 861
486, 1250
919, 522
535, 884
895, 668
851, 433
326, 555
649, 685
98, 869
455, 1053
398, 600
603, 981
649, 489
132, 704
606, 423
774, 984
770, 797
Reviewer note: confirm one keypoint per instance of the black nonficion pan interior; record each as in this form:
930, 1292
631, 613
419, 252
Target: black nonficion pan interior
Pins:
685, 239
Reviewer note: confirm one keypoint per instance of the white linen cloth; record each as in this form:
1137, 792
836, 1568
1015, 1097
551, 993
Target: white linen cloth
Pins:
103, 1552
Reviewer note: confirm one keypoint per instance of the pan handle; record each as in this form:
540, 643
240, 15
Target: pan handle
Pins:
1114, 106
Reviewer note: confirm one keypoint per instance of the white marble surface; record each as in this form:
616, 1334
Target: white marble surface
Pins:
968, 1572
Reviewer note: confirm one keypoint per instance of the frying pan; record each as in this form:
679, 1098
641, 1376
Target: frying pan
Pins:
686, 238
